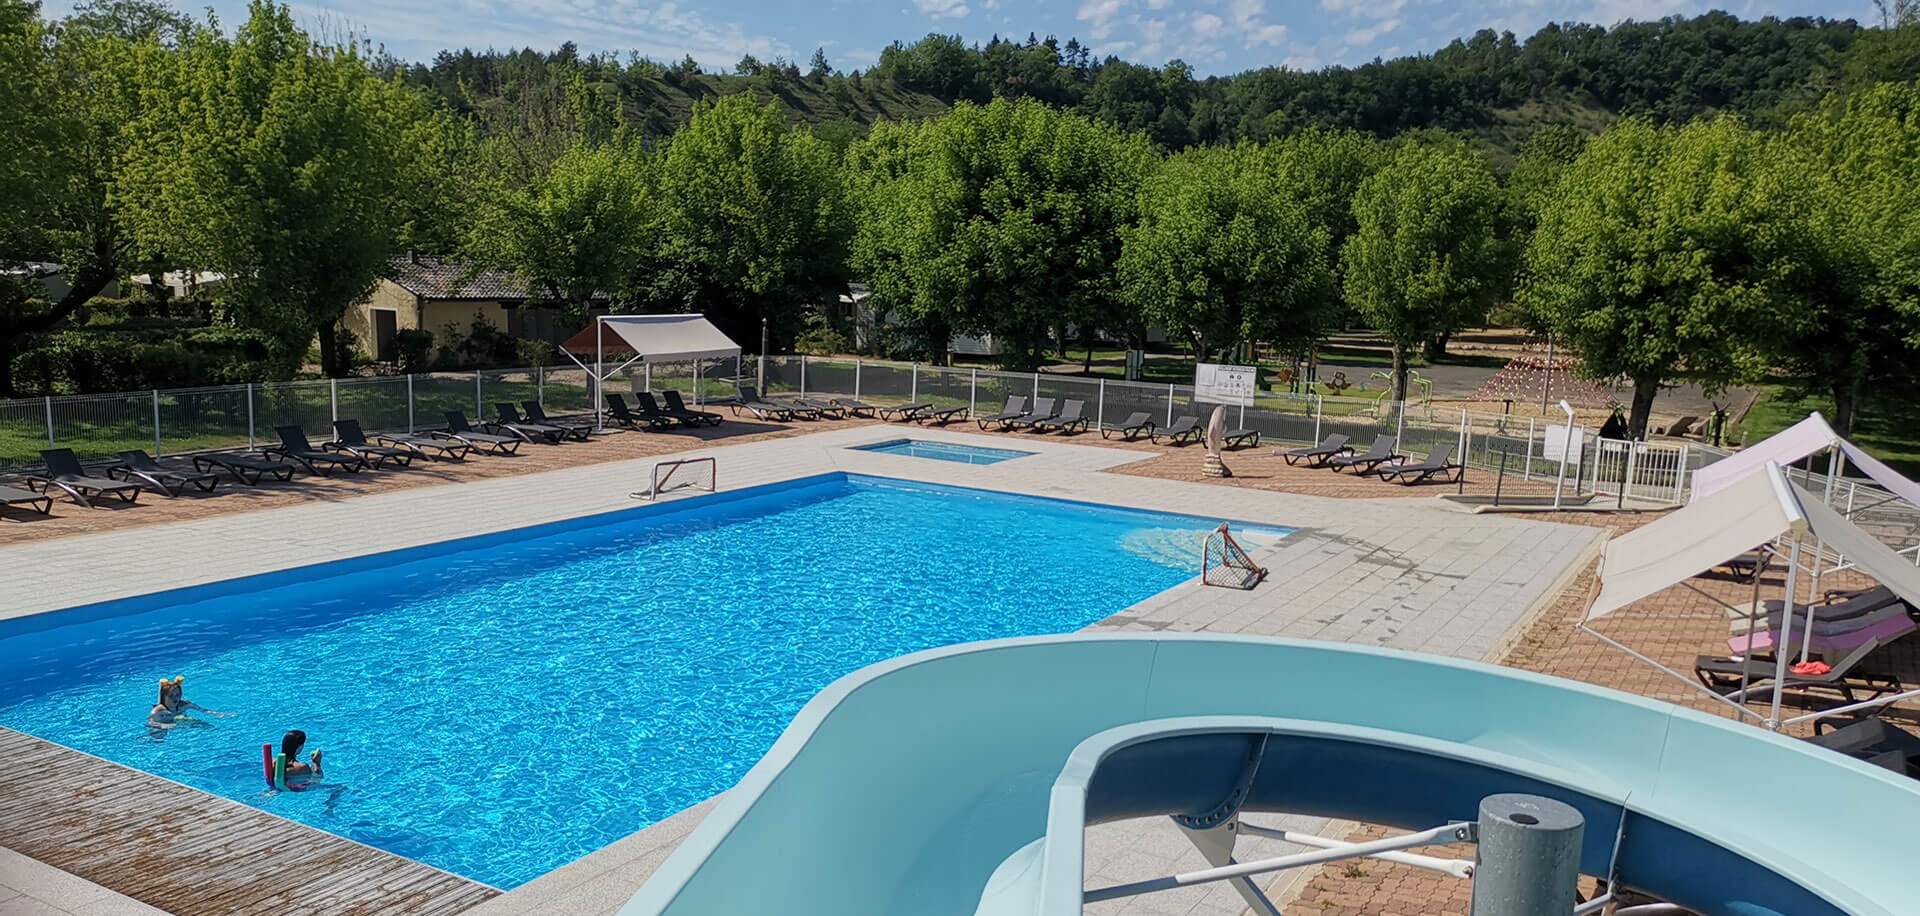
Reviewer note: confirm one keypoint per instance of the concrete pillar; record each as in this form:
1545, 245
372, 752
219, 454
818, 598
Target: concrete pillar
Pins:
1528, 862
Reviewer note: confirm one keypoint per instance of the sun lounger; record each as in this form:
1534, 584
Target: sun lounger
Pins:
537, 413
905, 412
460, 430
1318, 455
350, 438
1750, 565
245, 468
1015, 408
1137, 424
506, 413
619, 413
64, 471
295, 447
677, 407
650, 406
1241, 438
941, 416
1847, 604
1875, 741
507, 417
760, 407
137, 464
1846, 676
1830, 636
1043, 409
437, 447
1438, 462
14, 496
1071, 417
1183, 431
1381, 452
857, 407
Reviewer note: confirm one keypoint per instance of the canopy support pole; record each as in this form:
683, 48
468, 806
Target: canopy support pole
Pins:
1690, 682
1780, 652
599, 357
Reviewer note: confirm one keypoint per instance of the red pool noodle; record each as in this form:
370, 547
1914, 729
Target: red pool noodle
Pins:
266, 762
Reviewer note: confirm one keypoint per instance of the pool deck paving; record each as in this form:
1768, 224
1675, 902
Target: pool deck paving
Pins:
1402, 573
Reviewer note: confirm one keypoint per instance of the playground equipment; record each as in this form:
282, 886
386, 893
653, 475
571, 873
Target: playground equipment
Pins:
960, 780
1414, 380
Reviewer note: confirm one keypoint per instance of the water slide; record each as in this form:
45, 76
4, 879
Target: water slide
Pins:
959, 780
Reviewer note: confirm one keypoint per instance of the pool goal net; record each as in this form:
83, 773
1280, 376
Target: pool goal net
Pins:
1225, 563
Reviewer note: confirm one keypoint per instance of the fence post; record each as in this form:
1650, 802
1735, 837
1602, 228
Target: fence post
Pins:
1680, 475
1626, 480
973, 394
156, 422
1319, 403
249, 416
333, 398
646, 375
803, 375
409, 403
1399, 427
49, 400
478, 413
1460, 440
913, 385
856, 380
540, 387
1170, 396
1100, 412
1528, 473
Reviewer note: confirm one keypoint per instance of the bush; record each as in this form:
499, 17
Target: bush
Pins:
482, 347
86, 361
412, 348
822, 338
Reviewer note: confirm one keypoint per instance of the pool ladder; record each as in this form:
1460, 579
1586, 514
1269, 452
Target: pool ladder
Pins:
653, 490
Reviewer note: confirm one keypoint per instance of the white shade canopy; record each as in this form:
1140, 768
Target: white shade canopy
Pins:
1807, 437
653, 339
1741, 515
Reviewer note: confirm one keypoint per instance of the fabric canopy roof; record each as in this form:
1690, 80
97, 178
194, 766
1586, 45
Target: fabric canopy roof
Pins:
1807, 437
1748, 512
652, 339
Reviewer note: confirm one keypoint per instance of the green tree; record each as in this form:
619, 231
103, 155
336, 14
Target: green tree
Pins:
1426, 257
1658, 256
576, 230
751, 220
1223, 254
1001, 218
818, 69
282, 164
1853, 168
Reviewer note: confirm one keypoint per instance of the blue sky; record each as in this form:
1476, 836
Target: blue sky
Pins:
1216, 36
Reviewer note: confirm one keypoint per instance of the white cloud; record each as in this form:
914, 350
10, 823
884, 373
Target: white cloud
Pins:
1207, 25
1370, 9
1367, 35
943, 9
1099, 13
1157, 4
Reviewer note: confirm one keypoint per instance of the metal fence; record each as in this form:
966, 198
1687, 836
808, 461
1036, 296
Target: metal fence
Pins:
243, 416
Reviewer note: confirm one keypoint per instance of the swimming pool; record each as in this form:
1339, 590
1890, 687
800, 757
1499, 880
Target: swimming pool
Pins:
501, 705
943, 451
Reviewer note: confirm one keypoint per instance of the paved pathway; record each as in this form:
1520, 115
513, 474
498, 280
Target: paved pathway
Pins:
1391, 572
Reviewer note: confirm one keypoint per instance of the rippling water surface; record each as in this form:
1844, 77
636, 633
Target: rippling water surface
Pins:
503, 708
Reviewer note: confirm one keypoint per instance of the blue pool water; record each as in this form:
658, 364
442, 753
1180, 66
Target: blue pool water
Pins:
502, 705
943, 451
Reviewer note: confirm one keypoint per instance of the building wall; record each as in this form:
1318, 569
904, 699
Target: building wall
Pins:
438, 313
386, 295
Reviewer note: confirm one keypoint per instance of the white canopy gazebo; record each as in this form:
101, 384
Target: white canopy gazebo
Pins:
1741, 514
648, 340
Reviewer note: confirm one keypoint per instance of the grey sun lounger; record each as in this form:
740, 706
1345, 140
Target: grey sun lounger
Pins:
1016, 408
65, 471
137, 464
1318, 455
1846, 676
650, 405
295, 447
826, 409
459, 429
348, 437
621, 414
1071, 417
1874, 740
857, 407
1438, 462
1137, 424
438, 448
14, 496
246, 469
1044, 409
1242, 438
761, 408
507, 417
1184, 430
1837, 605
904, 412
1380, 453
536, 413
941, 416
678, 408
1750, 565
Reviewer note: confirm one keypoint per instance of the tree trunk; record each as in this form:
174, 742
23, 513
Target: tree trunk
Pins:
329, 350
1436, 349
6, 367
1847, 391
1400, 372
1644, 390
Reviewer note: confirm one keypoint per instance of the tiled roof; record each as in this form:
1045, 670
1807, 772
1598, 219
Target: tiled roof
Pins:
438, 278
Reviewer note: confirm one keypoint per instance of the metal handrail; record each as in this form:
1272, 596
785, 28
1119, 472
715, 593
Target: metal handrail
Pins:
653, 490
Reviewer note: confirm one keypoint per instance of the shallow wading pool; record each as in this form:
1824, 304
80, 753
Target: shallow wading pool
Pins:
501, 705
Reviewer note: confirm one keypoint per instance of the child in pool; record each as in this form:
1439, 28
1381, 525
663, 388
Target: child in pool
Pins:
298, 773
173, 706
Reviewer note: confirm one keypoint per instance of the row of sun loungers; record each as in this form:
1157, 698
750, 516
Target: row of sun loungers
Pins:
1380, 459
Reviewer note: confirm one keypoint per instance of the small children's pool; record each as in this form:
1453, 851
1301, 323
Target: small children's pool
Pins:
943, 451
501, 705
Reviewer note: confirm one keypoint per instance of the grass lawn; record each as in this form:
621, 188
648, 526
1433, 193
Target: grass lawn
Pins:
1888, 427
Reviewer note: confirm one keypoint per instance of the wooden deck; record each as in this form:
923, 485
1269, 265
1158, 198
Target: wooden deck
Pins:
191, 853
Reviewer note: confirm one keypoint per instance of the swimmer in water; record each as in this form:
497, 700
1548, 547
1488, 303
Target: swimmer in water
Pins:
172, 707
298, 773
